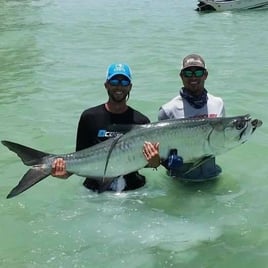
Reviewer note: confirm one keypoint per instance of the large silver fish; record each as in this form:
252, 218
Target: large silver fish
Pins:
195, 140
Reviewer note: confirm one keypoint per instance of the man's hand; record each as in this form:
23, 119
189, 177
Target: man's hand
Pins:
59, 169
151, 153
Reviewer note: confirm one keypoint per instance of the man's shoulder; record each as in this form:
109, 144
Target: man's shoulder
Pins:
93, 110
138, 117
174, 102
214, 98
172, 109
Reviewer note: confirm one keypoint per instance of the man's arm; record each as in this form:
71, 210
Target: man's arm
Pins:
162, 114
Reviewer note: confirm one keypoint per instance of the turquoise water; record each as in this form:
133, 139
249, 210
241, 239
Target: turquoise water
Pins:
54, 56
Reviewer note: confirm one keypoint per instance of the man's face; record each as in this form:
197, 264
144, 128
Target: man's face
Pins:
118, 87
193, 79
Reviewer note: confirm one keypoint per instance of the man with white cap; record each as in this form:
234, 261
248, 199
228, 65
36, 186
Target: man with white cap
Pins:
93, 127
192, 101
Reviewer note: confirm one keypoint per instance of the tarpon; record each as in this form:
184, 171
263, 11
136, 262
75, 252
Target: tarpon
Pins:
195, 140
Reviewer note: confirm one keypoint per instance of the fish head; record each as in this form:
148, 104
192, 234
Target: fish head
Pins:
229, 132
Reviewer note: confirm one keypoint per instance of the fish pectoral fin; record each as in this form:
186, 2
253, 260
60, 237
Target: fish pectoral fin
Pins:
115, 140
199, 163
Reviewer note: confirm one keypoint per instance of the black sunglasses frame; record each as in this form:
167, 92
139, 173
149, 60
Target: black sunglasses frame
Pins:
117, 82
195, 73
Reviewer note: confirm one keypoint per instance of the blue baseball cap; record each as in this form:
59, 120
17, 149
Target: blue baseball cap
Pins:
118, 68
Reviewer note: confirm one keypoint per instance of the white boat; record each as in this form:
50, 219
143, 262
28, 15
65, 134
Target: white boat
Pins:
226, 5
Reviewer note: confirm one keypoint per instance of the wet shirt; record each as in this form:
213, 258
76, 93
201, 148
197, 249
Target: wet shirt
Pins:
94, 127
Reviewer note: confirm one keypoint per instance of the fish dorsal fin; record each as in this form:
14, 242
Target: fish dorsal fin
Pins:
124, 128
114, 142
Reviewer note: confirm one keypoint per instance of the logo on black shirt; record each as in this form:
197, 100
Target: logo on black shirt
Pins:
107, 134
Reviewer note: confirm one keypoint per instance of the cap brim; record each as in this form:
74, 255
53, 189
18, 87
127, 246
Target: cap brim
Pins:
119, 73
197, 66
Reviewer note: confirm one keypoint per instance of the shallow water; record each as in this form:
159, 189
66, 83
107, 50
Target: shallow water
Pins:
54, 56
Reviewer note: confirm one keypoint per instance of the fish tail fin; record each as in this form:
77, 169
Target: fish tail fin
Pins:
30, 178
30, 157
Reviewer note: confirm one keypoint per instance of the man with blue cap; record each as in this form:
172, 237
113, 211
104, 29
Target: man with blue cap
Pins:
93, 127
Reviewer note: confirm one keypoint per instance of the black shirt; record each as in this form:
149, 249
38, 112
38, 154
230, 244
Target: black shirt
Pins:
93, 128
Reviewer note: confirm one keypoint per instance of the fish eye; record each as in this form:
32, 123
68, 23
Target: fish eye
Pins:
240, 124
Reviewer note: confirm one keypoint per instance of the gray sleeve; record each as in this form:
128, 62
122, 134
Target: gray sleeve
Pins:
162, 115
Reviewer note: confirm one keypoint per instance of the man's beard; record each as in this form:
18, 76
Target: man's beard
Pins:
116, 99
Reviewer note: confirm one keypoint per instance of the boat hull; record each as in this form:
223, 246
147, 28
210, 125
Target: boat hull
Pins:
229, 5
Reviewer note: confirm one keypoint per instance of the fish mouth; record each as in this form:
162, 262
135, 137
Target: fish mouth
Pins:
243, 124
255, 124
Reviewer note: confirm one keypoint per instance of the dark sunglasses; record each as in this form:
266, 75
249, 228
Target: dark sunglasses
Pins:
117, 82
196, 73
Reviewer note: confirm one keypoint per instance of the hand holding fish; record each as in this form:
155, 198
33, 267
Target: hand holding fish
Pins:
59, 169
151, 153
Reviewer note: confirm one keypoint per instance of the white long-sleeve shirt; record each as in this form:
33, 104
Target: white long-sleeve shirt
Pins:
180, 108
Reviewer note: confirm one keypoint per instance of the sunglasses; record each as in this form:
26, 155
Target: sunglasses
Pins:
117, 82
196, 73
